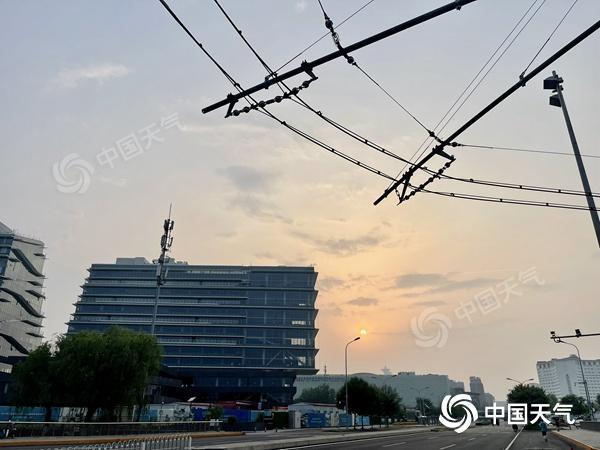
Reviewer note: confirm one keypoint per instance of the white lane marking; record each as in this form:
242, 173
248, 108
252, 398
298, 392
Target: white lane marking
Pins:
396, 443
472, 439
435, 437
333, 444
447, 446
508, 447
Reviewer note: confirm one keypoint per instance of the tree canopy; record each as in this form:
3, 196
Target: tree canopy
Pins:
35, 381
524, 393
368, 400
93, 370
580, 406
319, 394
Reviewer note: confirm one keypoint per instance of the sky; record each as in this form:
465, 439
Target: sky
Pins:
102, 129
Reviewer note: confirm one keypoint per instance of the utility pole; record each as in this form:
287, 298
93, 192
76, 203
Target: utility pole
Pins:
165, 245
557, 99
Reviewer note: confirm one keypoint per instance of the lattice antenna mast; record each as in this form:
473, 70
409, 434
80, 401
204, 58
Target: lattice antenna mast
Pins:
166, 241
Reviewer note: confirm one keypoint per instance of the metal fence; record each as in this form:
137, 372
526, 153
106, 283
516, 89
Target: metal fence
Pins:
48, 429
178, 442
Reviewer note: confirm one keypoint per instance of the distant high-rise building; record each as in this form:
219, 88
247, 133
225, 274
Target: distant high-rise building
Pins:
562, 376
480, 398
239, 332
476, 385
21, 297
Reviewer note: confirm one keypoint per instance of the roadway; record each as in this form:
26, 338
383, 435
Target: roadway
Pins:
476, 438
484, 438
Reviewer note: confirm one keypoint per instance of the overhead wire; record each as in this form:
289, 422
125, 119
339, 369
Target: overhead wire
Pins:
297, 131
305, 104
516, 186
380, 148
549, 37
427, 140
381, 173
324, 36
512, 201
524, 150
352, 61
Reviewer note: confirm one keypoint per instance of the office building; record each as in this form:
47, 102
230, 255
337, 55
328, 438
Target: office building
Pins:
21, 297
562, 376
239, 332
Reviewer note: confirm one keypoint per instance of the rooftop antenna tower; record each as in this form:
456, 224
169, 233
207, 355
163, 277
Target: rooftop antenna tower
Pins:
161, 272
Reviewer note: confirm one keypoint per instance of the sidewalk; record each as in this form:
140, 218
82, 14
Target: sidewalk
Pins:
90, 440
580, 439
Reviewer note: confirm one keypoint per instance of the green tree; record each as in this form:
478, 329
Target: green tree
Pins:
318, 394
389, 402
552, 399
580, 406
34, 381
107, 371
528, 394
363, 398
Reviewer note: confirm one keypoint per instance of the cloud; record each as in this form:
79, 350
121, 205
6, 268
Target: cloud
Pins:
100, 73
429, 303
258, 208
300, 6
342, 246
332, 310
363, 301
464, 284
246, 178
410, 280
329, 283
438, 283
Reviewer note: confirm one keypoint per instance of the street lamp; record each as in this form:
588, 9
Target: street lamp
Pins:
418, 391
585, 384
346, 365
554, 83
520, 382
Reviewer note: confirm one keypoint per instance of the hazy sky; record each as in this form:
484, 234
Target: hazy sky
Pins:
79, 78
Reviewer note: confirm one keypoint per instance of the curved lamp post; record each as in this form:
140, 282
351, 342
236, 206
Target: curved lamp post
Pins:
520, 382
585, 385
418, 391
346, 366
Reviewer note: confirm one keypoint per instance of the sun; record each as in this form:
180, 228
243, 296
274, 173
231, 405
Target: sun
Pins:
363, 332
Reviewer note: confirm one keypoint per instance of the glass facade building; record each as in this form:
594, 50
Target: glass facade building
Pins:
241, 333
21, 297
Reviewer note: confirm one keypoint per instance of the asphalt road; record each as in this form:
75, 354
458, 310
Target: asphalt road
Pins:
477, 438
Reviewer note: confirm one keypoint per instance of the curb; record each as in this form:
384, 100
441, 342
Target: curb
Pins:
574, 442
81, 440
